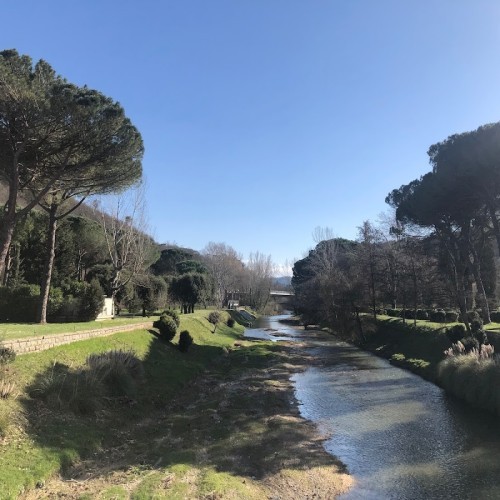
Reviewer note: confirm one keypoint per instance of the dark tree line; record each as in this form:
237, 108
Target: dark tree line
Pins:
59, 143
440, 251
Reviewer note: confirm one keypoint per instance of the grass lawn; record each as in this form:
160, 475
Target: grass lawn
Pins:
41, 441
10, 331
215, 422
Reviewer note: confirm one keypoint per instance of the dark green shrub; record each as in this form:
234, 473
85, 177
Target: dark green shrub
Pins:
473, 316
381, 311
438, 316
393, 313
451, 316
167, 327
19, 303
214, 317
476, 325
456, 333
422, 314
7, 355
185, 341
495, 316
174, 315
470, 343
230, 322
91, 301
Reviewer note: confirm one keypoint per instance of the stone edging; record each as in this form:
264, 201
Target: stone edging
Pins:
43, 342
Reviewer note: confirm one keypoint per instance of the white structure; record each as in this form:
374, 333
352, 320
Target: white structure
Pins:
108, 309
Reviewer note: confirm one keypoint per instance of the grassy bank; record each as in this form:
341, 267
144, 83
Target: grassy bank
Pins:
215, 422
420, 349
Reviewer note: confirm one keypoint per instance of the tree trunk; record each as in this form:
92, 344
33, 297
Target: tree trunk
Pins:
6, 233
476, 271
49, 265
475, 265
360, 325
372, 290
496, 226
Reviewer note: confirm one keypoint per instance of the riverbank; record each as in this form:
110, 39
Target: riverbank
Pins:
419, 348
218, 422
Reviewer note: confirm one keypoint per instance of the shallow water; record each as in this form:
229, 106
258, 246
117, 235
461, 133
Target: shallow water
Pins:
400, 436
271, 328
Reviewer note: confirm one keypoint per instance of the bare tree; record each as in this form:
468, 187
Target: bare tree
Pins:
225, 267
322, 234
130, 248
260, 269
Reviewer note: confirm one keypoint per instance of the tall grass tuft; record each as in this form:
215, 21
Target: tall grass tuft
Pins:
119, 370
108, 376
473, 376
7, 388
117, 359
61, 388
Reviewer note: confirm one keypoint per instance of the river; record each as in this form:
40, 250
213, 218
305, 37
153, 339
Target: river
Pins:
400, 436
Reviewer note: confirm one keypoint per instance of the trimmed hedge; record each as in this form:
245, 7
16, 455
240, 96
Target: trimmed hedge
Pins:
167, 327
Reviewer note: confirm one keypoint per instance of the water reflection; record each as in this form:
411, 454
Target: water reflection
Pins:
272, 328
400, 436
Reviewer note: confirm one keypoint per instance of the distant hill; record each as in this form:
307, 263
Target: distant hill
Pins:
282, 282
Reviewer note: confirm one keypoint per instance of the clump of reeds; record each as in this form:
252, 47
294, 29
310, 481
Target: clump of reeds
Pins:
472, 375
109, 376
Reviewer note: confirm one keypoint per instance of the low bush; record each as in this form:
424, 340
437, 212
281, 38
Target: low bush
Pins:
173, 315
476, 325
438, 316
230, 322
408, 314
451, 316
19, 303
473, 316
495, 316
470, 343
215, 318
422, 314
7, 355
456, 333
91, 301
166, 326
185, 341
394, 313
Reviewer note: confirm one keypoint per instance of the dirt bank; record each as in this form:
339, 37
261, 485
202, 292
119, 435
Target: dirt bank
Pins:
235, 432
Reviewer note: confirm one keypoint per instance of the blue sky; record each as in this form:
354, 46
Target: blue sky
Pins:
263, 119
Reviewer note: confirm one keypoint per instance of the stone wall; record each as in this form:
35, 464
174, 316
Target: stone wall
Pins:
43, 342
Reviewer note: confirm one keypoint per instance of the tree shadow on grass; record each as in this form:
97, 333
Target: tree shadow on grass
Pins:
239, 418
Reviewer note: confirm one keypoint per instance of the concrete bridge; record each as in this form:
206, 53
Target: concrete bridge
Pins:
282, 297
